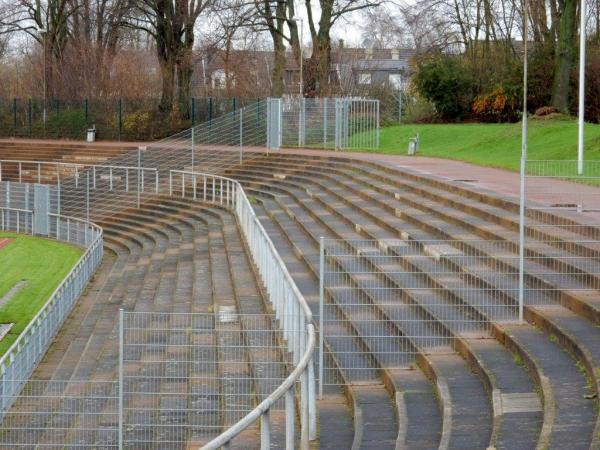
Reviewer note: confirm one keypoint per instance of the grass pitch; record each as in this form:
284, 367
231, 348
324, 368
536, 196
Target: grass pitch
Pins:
43, 264
493, 145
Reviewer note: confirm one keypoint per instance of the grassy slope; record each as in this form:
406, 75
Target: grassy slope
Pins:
496, 145
44, 263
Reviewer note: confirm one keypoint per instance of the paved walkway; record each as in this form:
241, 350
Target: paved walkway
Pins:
488, 180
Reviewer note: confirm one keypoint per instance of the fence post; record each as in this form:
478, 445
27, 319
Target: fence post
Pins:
233, 105
120, 386
325, 122
193, 111
87, 195
120, 116
30, 117
377, 125
241, 136
86, 108
522, 238
14, 116
193, 148
321, 309
257, 113
139, 175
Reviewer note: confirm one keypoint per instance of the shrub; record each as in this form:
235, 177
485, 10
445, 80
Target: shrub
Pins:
137, 125
447, 84
496, 106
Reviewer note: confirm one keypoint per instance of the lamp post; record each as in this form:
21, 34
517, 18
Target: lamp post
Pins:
301, 20
581, 112
524, 132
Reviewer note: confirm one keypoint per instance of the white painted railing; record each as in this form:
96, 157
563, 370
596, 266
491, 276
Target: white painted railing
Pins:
129, 178
288, 303
19, 361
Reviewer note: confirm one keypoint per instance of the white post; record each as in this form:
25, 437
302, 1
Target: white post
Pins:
193, 154
321, 308
120, 387
524, 132
241, 136
581, 89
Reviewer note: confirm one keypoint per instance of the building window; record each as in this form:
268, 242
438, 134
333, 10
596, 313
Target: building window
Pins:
364, 78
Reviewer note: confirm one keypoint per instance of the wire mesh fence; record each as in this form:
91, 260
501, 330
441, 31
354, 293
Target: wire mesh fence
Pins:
330, 123
385, 301
182, 379
24, 202
112, 118
561, 235
61, 414
188, 377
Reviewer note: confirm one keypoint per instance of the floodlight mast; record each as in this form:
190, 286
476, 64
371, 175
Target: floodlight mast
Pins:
524, 132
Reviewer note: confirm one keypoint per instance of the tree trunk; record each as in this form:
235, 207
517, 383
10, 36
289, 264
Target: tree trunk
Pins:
278, 67
565, 56
167, 71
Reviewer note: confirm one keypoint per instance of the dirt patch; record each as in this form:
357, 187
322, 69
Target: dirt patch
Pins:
12, 292
4, 242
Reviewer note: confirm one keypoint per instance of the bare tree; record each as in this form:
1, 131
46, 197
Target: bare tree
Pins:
171, 23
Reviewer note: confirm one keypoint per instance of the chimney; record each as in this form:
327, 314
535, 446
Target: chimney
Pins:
395, 53
341, 43
369, 53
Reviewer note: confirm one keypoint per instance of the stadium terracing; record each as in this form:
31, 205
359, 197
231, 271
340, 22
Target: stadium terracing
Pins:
428, 334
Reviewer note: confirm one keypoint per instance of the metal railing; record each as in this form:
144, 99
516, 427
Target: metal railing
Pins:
19, 361
289, 305
382, 302
558, 232
54, 172
334, 123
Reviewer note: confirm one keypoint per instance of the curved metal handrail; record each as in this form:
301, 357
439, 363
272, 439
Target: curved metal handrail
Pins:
264, 407
81, 271
296, 316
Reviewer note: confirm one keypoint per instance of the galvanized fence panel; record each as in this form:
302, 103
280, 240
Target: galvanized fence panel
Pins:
334, 123
385, 301
560, 231
188, 377
50, 415
19, 361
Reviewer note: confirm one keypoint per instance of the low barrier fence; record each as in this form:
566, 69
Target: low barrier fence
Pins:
19, 361
288, 304
384, 301
559, 231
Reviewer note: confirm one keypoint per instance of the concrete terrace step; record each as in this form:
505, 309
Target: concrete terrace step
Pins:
305, 184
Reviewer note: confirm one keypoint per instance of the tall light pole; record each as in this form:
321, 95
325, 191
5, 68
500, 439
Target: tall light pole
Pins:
301, 20
524, 132
581, 89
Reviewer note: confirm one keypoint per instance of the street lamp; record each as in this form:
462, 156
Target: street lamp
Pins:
581, 113
301, 20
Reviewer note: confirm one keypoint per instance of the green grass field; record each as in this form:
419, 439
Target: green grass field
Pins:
44, 264
494, 145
